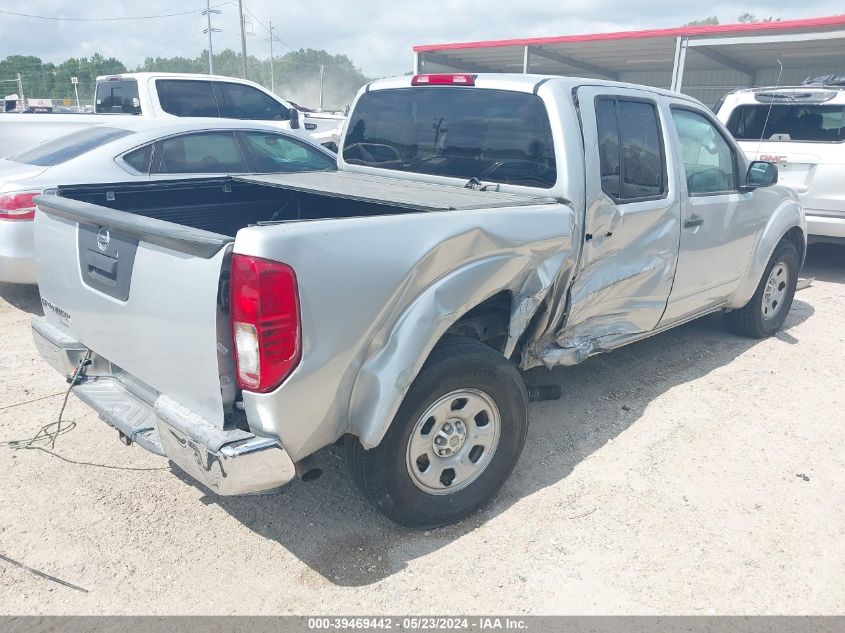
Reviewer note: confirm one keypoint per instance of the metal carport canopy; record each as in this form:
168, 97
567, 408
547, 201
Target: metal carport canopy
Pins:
704, 61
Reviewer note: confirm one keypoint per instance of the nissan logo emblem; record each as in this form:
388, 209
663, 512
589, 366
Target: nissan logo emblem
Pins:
103, 239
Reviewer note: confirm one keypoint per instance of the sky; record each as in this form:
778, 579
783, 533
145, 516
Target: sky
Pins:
378, 35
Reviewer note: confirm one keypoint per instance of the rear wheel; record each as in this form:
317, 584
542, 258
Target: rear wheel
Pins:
765, 313
454, 441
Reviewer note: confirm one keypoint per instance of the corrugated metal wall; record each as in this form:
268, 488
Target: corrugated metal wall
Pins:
708, 86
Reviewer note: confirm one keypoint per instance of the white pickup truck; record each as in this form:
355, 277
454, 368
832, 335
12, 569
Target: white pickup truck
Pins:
477, 225
168, 95
801, 129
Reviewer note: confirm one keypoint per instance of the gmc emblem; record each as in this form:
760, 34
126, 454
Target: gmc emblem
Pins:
773, 158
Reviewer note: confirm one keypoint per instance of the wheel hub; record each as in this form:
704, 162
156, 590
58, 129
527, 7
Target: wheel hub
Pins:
453, 441
775, 291
449, 437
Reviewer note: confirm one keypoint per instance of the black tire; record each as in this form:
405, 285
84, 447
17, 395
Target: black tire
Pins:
382, 473
749, 320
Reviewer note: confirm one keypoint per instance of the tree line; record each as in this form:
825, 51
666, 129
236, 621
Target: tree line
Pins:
295, 76
744, 18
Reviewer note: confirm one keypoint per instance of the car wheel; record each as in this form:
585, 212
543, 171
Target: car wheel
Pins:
454, 440
765, 313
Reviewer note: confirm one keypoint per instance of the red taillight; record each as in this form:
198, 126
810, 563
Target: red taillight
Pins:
460, 79
264, 311
17, 206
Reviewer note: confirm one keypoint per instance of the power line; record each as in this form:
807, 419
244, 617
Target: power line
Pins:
264, 26
137, 17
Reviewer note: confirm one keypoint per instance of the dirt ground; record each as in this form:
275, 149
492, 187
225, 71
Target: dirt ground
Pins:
695, 472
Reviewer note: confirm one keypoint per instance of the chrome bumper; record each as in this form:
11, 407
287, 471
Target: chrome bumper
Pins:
226, 461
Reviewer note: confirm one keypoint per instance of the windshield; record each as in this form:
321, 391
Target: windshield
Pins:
789, 122
493, 135
117, 97
67, 147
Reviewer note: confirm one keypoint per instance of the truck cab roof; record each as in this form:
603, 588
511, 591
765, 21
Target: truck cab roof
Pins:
517, 82
162, 75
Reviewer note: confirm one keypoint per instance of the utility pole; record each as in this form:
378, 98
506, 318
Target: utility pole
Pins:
243, 36
272, 74
208, 11
322, 69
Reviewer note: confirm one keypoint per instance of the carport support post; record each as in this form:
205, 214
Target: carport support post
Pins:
678, 67
526, 59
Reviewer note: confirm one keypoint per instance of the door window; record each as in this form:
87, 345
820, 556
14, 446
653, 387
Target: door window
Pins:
709, 161
186, 97
608, 131
631, 156
276, 153
139, 159
201, 153
238, 101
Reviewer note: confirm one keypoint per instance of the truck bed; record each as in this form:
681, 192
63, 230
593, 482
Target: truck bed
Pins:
225, 205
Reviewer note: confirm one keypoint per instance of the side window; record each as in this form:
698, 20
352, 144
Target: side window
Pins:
201, 153
276, 153
139, 159
709, 161
182, 97
608, 131
238, 101
631, 151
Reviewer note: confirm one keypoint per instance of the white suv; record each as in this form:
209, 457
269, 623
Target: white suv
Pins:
802, 130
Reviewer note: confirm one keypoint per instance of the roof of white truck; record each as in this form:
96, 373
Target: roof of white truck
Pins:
830, 94
155, 75
395, 191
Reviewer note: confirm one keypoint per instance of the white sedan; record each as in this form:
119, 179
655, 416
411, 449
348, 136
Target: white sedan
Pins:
138, 150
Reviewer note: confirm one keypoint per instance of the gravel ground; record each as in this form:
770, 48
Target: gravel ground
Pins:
695, 472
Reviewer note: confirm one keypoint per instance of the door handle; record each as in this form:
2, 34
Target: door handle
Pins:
693, 222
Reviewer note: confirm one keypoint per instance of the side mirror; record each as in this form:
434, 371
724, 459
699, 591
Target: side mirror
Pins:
294, 120
761, 173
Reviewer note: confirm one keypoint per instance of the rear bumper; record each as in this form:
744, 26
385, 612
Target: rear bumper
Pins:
17, 262
226, 461
824, 226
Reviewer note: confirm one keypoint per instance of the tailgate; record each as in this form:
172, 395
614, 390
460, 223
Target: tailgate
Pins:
140, 292
796, 166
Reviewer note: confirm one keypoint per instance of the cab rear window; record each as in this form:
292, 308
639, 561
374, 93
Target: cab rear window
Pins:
792, 122
117, 96
71, 146
493, 135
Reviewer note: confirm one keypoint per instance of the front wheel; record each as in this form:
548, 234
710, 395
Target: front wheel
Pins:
454, 441
765, 313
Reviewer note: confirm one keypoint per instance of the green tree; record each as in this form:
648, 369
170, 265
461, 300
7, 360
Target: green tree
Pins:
711, 21
748, 18
296, 74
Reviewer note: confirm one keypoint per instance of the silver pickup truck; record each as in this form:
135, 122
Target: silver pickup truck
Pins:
478, 225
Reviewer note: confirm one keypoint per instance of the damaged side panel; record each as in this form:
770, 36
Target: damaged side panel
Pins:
369, 326
624, 276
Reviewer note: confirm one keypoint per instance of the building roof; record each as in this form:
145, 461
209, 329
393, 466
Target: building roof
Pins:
811, 46
797, 26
